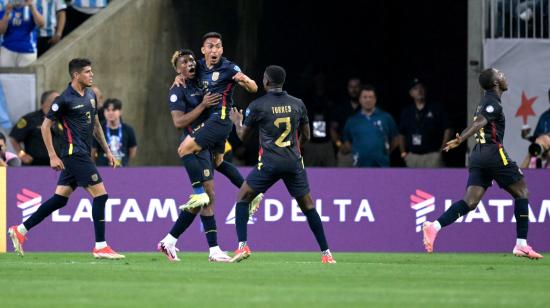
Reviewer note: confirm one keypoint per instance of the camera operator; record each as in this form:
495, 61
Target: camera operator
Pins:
539, 153
543, 125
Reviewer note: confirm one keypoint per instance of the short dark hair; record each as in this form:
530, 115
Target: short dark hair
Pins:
115, 102
369, 87
76, 65
180, 53
45, 96
209, 35
487, 79
276, 75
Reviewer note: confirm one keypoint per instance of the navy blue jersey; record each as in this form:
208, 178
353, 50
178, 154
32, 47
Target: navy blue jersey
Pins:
77, 115
185, 99
219, 79
278, 116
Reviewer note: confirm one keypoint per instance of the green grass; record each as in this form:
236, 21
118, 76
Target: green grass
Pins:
273, 279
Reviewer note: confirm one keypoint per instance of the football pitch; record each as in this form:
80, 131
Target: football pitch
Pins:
273, 279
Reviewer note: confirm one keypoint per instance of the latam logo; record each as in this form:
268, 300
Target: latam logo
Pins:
28, 201
423, 203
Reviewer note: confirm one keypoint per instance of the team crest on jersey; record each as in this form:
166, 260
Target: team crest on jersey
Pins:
215, 76
22, 123
95, 177
206, 172
92, 101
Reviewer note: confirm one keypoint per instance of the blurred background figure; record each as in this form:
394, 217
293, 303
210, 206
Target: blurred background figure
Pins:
119, 136
340, 114
7, 158
55, 18
424, 130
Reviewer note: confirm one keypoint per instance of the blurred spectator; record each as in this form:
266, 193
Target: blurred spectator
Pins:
319, 151
7, 158
78, 11
424, 130
543, 125
5, 122
340, 114
539, 153
99, 103
19, 20
55, 17
120, 136
27, 132
370, 134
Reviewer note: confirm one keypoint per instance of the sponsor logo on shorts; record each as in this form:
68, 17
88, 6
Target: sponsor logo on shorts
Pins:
206, 172
95, 177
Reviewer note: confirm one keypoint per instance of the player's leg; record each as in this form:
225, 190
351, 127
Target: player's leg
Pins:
100, 197
518, 190
198, 167
168, 244
57, 201
245, 196
210, 230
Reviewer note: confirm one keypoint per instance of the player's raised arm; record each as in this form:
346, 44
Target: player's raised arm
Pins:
236, 116
100, 137
479, 122
246, 82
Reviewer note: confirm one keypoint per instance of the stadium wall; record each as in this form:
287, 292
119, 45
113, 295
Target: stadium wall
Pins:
130, 44
373, 210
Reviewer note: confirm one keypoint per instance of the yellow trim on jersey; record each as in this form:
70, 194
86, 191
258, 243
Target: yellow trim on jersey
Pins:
227, 147
503, 156
223, 112
3, 212
70, 149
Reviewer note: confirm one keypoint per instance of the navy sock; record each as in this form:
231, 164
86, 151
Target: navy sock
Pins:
194, 171
51, 205
184, 221
457, 209
231, 172
241, 220
521, 212
316, 226
209, 224
98, 214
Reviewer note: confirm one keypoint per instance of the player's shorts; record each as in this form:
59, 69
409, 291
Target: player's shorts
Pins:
293, 174
213, 134
79, 170
206, 163
503, 175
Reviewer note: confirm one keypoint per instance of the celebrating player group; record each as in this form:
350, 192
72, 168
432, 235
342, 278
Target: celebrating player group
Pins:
200, 102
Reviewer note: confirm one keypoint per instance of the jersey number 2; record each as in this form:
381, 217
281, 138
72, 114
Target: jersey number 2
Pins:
280, 141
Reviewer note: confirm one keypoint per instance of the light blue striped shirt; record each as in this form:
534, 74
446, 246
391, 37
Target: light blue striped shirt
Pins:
89, 3
49, 11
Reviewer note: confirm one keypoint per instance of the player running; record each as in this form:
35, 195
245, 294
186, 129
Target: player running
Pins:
488, 161
283, 124
76, 109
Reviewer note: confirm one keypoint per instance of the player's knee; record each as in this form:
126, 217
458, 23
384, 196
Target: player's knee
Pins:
472, 203
523, 193
207, 211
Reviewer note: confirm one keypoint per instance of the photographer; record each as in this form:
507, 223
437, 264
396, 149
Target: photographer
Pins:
543, 125
539, 154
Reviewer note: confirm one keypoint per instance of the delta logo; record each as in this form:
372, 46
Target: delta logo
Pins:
487, 211
29, 202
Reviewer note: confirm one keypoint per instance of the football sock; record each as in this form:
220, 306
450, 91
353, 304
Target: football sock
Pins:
98, 214
209, 224
53, 204
316, 226
100, 245
21, 228
457, 209
169, 239
241, 220
194, 171
184, 221
215, 249
231, 172
521, 212
437, 225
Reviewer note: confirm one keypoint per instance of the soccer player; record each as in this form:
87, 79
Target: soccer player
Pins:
218, 75
280, 118
189, 109
488, 161
76, 109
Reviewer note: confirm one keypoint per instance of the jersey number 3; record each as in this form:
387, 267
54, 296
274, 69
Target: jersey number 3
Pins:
280, 141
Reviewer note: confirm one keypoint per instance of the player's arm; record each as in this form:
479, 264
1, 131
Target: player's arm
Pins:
183, 119
45, 129
236, 116
479, 122
100, 137
305, 133
246, 82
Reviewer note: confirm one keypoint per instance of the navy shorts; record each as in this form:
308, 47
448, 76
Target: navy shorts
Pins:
213, 134
204, 158
80, 170
263, 176
503, 175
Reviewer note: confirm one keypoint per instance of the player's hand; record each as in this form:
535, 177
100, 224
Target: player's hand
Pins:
26, 159
211, 99
236, 116
56, 163
453, 143
240, 77
178, 81
55, 39
111, 159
